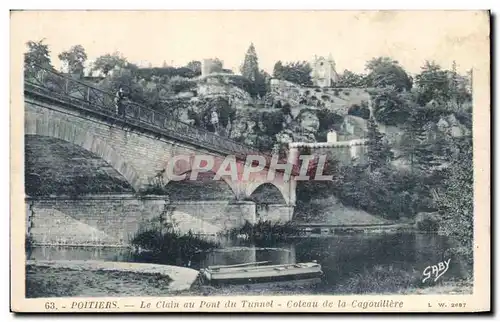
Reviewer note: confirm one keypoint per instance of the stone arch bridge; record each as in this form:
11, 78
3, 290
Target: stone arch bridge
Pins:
93, 177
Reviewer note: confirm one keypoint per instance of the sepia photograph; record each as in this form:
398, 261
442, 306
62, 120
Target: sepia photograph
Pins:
251, 160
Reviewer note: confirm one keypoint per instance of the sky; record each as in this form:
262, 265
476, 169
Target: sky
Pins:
177, 37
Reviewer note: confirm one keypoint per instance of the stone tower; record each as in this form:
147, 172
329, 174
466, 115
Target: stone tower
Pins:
323, 71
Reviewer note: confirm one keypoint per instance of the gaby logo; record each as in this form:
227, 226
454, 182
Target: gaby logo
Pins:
189, 167
436, 270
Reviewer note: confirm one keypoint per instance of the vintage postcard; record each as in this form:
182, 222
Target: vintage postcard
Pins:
250, 161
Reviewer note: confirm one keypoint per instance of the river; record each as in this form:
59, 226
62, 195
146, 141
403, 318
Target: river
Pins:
354, 262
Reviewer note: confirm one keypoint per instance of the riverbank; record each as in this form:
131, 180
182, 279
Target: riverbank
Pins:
99, 278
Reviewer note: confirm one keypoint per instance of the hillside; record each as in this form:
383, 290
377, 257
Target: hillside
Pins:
333, 212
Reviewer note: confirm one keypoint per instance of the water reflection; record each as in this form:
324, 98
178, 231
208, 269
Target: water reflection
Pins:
340, 256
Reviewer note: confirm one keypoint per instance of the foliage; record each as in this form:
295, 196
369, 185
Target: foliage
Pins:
164, 73
250, 70
296, 72
195, 66
108, 62
165, 243
250, 67
328, 121
217, 65
74, 59
424, 152
379, 153
226, 112
384, 71
380, 279
265, 231
351, 79
179, 84
38, 54
442, 86
455, 199
432, 83
386, 192
390, 106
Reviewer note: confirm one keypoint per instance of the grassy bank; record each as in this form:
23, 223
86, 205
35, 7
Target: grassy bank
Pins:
388, 279
45, 281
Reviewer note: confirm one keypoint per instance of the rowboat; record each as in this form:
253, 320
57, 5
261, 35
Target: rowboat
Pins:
256, 272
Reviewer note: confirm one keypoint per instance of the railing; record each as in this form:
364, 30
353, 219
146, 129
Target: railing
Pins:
49, 83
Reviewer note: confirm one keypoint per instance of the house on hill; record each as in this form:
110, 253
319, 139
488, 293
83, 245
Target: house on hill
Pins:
323, 72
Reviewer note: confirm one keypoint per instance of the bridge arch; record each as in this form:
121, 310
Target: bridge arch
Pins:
267, 192
46, 126
204, 188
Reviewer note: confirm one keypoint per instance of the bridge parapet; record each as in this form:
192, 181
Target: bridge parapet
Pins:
50, 84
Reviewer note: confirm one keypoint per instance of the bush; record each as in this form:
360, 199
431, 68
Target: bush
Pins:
170, 247
325, 97
165, 244
180, 84
307, 92
317, 90
165, 72
386, 192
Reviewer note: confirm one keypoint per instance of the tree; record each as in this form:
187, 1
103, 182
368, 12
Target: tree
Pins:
250, 67
278, 70
296, 72
350, 79
424, 152
195, 66
38, 54
390, 106
106, 63
433, 83
379, 153
455, 200
74, 59
384, 71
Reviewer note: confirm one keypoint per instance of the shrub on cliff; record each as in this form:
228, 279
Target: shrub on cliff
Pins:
181, 84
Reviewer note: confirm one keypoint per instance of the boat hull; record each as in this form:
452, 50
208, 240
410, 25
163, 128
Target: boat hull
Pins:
309, 277
260, 274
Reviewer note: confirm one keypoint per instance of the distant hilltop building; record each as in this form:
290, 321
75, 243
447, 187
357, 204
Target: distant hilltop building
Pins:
323, 72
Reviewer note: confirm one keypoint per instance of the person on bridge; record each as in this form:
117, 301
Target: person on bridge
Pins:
120, 108
215, 120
